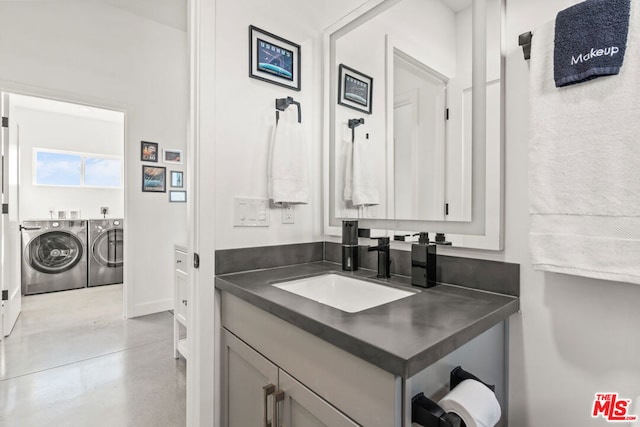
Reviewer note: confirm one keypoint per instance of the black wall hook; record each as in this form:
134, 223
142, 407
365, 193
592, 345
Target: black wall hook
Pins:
353, 124
524, 40
284, 103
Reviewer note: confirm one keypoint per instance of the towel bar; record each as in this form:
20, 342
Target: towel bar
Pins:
353, 124
284, 103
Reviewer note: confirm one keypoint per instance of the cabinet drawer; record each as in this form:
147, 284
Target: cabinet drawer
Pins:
181, 297
180, 260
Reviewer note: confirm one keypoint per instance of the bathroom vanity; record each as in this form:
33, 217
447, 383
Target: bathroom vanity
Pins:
289, 360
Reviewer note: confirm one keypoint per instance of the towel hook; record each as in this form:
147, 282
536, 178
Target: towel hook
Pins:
284, 103
353, 124
524, 40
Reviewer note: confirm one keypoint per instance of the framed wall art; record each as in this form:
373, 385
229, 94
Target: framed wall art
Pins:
149, 151
177, 196
154, 179
355, 90
273, 59
171, 156
176, 179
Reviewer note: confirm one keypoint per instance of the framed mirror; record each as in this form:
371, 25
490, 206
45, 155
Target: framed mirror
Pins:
428, 153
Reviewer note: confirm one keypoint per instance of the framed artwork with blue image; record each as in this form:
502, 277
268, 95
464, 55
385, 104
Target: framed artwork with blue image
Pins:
273, 59
355, 89
154, 179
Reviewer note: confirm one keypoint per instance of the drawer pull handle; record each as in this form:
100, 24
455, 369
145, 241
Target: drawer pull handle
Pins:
267, 391
277, 398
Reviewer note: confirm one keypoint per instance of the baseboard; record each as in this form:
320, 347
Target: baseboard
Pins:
152, 307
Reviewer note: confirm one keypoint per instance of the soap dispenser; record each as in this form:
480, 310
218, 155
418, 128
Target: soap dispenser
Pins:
423, 262
349, 245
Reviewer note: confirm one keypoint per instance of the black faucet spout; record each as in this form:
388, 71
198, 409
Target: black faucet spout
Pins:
384, 257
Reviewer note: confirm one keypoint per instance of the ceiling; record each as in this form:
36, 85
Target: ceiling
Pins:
59, 107
172, 13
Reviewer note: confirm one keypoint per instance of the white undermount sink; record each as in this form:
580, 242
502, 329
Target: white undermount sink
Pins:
344, 293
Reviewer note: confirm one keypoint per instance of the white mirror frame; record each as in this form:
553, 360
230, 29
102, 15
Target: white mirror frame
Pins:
485, 230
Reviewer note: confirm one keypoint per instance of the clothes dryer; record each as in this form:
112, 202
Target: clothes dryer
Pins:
106, 245
54, 256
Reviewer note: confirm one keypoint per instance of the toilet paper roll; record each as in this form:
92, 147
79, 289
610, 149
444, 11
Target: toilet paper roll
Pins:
474, 403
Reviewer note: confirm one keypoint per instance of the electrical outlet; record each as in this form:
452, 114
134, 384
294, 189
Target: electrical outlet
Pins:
288, 216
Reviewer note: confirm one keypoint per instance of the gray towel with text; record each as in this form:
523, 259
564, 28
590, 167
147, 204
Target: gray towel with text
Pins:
590, 40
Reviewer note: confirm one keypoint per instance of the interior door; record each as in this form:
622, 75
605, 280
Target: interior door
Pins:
9, 223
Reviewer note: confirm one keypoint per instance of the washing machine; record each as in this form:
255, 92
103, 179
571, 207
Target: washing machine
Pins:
106, 244
54, 256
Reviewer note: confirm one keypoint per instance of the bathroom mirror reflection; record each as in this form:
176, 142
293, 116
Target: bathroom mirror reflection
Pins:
432, 143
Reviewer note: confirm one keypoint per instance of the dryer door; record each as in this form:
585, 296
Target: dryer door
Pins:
107, 249
55, 252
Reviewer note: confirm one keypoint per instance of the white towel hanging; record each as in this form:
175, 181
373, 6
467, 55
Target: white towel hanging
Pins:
288, 170
584, 174
360, 186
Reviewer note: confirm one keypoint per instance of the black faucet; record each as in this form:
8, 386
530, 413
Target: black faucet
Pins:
384, 257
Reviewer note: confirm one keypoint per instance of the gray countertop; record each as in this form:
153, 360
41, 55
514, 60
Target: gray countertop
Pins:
402, 337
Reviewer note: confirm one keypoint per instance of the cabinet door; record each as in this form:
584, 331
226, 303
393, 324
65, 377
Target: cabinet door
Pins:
304, 408
246, 377
180, 305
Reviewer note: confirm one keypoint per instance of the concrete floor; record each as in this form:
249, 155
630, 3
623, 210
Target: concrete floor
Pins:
72, 360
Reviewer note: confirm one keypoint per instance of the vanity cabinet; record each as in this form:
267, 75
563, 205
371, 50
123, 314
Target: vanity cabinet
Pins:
256, 392
180, 301
322, 384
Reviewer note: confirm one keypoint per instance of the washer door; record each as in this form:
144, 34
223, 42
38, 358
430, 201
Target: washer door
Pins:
55, 252
107, 249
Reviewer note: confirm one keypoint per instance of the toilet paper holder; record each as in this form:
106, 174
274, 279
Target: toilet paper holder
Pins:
428, 413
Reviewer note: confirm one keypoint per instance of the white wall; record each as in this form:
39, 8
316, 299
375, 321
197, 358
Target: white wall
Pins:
100, 54
576, 336
54, 131
245, 114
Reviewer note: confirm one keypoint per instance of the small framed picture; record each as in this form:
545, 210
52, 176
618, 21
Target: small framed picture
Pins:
154, 179
177, 196
355, 90
149, 151
176, 179
171, 156
273, 59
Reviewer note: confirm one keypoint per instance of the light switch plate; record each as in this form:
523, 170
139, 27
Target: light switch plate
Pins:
249, 212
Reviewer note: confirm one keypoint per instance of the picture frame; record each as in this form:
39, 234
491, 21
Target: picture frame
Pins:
154, 179
170, 155
177, 196
273, 59
149, 151
177, 179
355, 89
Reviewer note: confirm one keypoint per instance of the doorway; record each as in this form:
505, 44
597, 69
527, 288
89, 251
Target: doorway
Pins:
64, 163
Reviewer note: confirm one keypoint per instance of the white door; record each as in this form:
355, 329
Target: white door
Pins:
9, 224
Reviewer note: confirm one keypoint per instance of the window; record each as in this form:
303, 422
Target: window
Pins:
58, 169
69, 169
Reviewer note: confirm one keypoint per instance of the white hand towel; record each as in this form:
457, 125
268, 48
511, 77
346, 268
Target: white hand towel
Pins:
360, 185
288, 170
584, 166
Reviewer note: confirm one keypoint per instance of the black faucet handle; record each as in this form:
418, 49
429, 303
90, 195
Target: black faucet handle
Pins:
382, 240
364, 232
